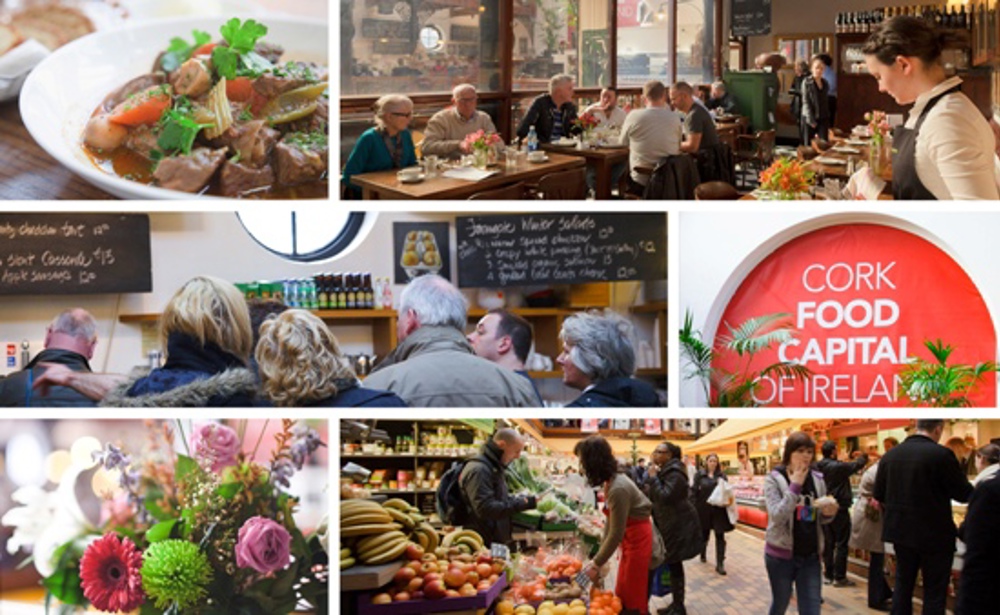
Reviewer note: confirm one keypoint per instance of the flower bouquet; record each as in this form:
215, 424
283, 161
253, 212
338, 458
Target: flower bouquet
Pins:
786, 179
878, 129
209, 532
479, 144
586, 124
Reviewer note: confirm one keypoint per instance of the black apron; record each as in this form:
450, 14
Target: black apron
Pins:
906, 184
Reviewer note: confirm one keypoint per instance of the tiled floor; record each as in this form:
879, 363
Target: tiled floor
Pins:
745, 590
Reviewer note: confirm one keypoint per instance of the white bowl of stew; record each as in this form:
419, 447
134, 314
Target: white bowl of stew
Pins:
64, 90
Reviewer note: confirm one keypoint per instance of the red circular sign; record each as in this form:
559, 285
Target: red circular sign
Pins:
863, 298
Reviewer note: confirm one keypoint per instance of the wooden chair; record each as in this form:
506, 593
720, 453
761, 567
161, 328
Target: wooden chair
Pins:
727, 134
754, 154
716, 191
562, 186
513, 192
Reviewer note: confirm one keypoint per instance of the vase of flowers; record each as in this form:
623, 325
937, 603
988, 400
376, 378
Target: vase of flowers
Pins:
479, 144
786, 179
210, 532
878, 151
586, 124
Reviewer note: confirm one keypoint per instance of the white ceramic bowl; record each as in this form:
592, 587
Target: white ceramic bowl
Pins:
62, 91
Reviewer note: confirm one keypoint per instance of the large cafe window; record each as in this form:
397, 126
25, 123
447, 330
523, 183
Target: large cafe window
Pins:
418, 46
654, 34
560, 36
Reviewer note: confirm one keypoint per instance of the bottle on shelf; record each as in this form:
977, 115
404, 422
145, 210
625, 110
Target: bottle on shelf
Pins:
369, 292
322, 292
386, 294
338, 289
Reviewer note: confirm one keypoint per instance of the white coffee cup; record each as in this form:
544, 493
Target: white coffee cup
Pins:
536, 156
409, 173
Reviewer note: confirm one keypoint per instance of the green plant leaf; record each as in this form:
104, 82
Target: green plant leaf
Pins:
64, 584
184, 467
229, 490
161, 531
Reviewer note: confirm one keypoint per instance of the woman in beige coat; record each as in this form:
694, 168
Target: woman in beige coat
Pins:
866, 533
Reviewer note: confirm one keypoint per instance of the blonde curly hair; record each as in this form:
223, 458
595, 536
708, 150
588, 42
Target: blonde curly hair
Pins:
210, 309
300, 359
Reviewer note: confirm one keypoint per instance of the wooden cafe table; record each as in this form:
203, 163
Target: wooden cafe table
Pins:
28, 172
385, 184
602, 158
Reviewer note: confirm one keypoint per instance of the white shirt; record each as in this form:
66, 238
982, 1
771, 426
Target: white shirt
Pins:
617, 115
954, 151
651, 135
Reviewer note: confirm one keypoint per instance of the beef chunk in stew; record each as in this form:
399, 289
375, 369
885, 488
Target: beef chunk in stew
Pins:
237, 179
297, 163
253, 140
189, 173
142, 140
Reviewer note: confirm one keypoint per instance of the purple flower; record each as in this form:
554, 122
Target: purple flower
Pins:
112, 458
282, 470
263, 544
306, 442
216, 445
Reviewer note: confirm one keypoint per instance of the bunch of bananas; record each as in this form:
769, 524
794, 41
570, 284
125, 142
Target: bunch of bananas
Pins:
413, 522
466, 541
347, 558
381, 532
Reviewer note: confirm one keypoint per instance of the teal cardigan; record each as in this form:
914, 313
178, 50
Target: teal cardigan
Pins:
370, 154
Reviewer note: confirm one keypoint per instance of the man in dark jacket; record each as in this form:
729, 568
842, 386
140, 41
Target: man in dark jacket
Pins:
484, 488
70, 341
836, 534
551, 114
915, 483
979, 591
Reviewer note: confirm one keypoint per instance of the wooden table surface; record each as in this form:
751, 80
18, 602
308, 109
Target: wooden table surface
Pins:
840, 170
603, 159
385, 184
27, 172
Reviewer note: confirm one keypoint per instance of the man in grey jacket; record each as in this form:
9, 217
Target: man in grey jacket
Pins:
69, 341
435, 366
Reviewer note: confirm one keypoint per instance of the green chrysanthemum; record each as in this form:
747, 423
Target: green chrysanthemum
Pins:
175, 571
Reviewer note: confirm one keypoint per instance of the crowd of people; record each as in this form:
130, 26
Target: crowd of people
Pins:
664, 513
674, 120
220, 351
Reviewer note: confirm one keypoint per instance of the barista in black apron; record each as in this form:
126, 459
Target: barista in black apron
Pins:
906, 184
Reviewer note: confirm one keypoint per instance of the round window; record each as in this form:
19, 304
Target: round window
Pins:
303, 236
430, 38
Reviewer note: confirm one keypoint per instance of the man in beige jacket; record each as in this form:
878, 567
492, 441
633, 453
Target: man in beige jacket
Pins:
448, 127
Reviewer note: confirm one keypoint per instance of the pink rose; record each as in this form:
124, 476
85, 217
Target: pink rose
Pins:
263, 545
217, 444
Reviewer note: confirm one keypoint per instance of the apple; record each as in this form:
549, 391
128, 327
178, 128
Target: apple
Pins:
483, 585
382, 598
467, 590
417, 595
472, 577
415, 566
428, 567
484, 570
452, 593
401, 597
484, 558
429, 557
432, 576
414, 551
403, 576
497, 568
434, 590
493, 578
455, 578
415, 585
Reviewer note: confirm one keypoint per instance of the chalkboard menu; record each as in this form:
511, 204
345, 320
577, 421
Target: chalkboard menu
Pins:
66, 254
526, 249
751, 17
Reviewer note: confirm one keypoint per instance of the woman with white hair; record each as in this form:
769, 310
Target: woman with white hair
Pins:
387, 145
598, 358
301, 364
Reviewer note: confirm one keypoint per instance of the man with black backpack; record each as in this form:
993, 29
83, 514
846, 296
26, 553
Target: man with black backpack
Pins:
478, 500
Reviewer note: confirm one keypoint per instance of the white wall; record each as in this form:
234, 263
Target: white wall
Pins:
716, 250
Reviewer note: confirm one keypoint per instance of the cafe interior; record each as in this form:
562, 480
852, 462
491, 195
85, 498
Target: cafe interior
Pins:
424, 48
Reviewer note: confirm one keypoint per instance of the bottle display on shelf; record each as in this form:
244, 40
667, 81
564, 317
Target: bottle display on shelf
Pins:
324, 291
942, 16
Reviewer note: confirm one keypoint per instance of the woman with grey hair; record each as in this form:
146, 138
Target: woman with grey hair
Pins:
598, 358
387, 145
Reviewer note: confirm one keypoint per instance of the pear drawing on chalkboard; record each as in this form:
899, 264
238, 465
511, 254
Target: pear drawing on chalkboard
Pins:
420, 254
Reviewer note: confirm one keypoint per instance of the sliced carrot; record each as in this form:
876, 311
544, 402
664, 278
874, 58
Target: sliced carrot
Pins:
239, 89
257, 102
204, 50
145, 107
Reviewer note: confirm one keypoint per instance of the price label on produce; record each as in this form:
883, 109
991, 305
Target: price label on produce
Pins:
500, 551
582, 580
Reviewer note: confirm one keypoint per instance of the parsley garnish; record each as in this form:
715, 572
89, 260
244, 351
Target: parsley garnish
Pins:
241, 37
180, 50
178, 132
307, 140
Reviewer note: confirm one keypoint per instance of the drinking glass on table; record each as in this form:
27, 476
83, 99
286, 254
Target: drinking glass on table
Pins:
511, 155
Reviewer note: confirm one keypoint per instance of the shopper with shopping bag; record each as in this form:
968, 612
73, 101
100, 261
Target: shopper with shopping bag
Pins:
712, 497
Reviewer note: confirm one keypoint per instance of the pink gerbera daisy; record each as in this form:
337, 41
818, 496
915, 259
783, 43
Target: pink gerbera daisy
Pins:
109, 574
